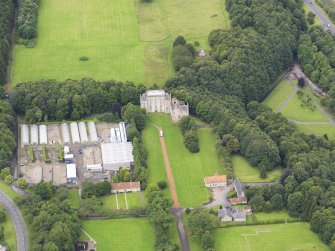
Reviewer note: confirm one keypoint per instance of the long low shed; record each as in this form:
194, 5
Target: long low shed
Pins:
93, 132
65, 133
75, 133
24, 135
34, 134
43, 134
83, 132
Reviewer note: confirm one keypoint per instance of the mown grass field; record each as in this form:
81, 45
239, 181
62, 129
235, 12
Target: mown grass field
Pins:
282, 91
135, 234
9, 233
188, 169
276, 237
296, 110
247, 173
318, 130
133, 200
73, 196
124, 39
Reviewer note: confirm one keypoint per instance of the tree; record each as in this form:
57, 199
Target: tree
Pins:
2, 215
294, 204
103, 188
257, 203
310, 17
9, 179
180, 40
4, 173
88, 190
191, 141
277, 201
162, 184
44, 189
301, 82
21, 182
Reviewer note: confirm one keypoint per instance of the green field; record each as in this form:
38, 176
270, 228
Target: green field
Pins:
247, 173
133, 200
280, 215
9, 233
135, 234
318, 130
124, 39
297, 111
292, 236
8, 190
188, 169
282, 91
73, 196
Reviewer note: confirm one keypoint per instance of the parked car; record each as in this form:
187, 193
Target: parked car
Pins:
161, 134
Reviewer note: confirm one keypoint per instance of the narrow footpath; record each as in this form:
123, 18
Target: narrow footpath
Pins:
176, 210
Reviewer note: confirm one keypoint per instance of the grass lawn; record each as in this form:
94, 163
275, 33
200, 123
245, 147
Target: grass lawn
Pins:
292, 236
133, 200
124, 39
247, 173
8, 190
296, 110
282, 91
318, 130
188, 169
9, 233
280, 215
73, 196
135, 234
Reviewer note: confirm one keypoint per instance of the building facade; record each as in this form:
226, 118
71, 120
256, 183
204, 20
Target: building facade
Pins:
215, 181
154, 101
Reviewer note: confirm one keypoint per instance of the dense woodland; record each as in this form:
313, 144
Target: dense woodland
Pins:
46, 100
6, 23
27, 18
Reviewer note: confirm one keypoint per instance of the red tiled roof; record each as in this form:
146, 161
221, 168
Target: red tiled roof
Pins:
215, 179
239, 200
126, 185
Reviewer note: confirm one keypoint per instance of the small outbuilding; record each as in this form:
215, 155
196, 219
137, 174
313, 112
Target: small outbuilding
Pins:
71, 173
215, 181
124, 187
202, 53
94, 168
247, 210
239, 200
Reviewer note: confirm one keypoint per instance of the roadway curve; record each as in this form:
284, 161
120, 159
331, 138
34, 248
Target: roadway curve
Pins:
18, 221
320, 14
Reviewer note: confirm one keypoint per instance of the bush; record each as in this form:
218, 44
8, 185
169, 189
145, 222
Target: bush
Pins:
188, 211
84, 58
2, 215
4, 173
21, 182
9, 179
196, 43
191, 141
31, 154
162, 184
60, 153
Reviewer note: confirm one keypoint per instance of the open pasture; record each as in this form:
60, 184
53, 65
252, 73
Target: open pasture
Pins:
279, 94
247, 173
188, 169
276, 237
123, 39
135, 234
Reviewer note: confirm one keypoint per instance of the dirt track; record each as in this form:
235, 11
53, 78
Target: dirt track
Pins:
169, 172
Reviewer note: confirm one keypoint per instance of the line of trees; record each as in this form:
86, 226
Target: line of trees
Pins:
6, 24
189, 131
46, 100
27, 18
160, 217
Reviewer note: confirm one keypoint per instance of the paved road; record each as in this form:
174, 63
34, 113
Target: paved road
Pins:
18, 221
323, 17
178, 212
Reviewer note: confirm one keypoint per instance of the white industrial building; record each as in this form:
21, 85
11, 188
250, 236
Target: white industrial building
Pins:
116, 155
43, 134
71, 173
24, 135
93, 132
83, 132
65, 133
33, 134
75, 133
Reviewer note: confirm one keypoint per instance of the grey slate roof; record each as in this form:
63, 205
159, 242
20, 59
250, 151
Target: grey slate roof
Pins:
239, 188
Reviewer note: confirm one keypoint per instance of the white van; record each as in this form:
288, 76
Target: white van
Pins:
161, 134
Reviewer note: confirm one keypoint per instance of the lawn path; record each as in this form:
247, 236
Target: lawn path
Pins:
169, 171
289, 98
